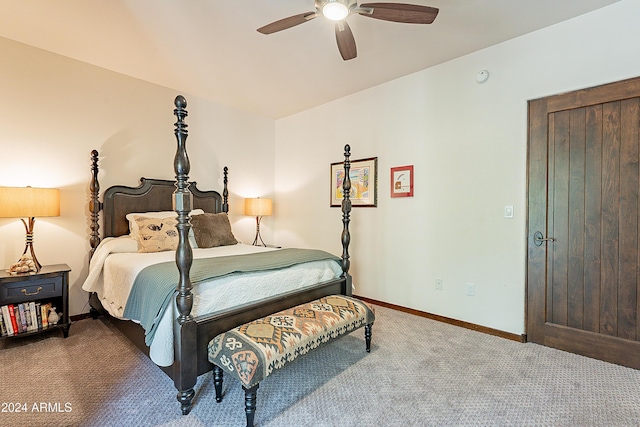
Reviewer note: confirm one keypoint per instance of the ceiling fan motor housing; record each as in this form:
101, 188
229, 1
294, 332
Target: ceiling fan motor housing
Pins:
335, 10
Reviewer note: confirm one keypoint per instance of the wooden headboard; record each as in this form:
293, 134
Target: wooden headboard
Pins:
151, 195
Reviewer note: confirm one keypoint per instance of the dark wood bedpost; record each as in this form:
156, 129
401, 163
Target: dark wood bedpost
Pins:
225, 191
95, 206
185, 363
346, 211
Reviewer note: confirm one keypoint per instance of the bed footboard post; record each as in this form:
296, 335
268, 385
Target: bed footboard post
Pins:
346, 211
185, 361
95, 206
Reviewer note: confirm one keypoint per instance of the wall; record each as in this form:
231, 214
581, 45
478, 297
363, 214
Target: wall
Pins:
56, 110
468, 143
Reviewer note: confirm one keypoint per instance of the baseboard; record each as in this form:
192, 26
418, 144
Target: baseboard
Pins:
77, 317
455, 322
467, 325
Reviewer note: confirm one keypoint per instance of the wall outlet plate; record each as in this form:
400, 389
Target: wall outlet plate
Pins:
508, 211
439, 284
471, 289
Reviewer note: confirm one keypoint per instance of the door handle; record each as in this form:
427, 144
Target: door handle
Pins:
539, 239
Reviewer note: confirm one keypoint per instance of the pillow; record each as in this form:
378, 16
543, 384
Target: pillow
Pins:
212, 230
133, 227
157, 234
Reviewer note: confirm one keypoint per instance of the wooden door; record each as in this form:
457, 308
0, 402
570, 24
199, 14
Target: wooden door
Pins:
583, 266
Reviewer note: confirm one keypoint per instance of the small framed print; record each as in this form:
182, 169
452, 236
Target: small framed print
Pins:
364, 183
402, 181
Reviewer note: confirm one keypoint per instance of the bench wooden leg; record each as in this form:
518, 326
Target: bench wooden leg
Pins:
250, 397
218, 374
367, 336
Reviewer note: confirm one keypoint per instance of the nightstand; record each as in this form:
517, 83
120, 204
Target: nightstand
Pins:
50, 285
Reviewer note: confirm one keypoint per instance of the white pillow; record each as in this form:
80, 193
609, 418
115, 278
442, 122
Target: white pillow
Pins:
134, 232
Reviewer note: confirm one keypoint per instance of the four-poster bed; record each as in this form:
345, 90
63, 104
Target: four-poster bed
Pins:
191, 330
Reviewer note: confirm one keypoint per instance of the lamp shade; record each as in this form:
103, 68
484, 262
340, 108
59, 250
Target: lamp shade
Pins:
258, 207
23, 202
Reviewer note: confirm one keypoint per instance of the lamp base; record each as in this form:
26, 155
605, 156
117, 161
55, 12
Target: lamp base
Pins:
28, 261
258, 236
25, 264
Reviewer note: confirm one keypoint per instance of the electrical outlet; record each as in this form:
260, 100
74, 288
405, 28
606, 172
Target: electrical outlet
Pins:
439, 284
508, 212
471, 289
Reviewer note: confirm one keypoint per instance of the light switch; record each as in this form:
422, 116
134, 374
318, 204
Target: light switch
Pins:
508, 211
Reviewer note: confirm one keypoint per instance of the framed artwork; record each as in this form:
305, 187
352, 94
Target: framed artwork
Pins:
402, 181
364, 183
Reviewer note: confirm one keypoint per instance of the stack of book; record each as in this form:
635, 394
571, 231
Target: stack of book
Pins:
26, 317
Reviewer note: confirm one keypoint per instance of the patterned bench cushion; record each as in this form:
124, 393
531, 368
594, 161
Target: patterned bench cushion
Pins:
252, 351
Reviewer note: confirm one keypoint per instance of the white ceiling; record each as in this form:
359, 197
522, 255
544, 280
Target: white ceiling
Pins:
210, 48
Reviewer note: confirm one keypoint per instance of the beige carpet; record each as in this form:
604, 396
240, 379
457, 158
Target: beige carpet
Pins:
419, 373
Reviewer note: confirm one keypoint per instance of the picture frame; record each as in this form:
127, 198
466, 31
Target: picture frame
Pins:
364, 183
402, 181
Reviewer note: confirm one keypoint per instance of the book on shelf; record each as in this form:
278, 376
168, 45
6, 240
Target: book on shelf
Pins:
20, 319
23, 318
3, 329
12, 316
38, 314
34, 318
7, 320
16, 314
45, 314
27, 317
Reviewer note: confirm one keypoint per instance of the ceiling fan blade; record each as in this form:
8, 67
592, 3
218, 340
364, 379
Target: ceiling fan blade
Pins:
285, 23
346, 41
400, 12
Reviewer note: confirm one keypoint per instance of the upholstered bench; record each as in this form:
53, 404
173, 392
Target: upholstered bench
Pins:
252, 351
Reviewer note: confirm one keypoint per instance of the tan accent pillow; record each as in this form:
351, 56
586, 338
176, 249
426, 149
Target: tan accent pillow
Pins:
157, 234
212, 230
133, 225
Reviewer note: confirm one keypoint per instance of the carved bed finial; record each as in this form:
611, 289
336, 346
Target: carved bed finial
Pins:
180, 102
95, 206
346, 210
225, 191
181, 161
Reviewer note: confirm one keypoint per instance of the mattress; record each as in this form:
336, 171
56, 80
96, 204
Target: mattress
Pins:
116, 263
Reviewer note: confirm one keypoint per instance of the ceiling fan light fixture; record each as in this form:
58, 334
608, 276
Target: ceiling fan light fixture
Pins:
335, 10
339, 10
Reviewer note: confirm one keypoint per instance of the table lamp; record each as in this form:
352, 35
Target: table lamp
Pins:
28, 202
258, 207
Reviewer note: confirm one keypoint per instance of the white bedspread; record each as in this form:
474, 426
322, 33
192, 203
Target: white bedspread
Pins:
116, 263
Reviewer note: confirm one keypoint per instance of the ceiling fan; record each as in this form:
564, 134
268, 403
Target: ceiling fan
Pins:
339, 10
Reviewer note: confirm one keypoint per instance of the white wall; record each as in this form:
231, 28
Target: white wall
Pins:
468, 145
56, 110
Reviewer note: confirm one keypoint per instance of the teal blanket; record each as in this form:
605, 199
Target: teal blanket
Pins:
155, 285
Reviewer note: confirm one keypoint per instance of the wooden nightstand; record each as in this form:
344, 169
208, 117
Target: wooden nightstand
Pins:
48, 286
